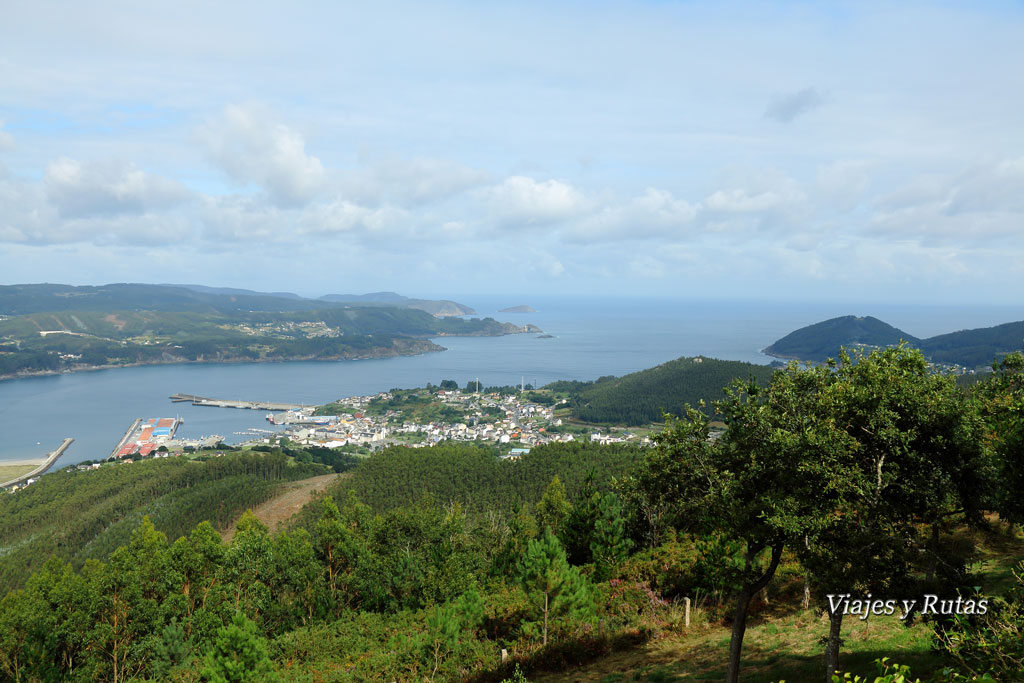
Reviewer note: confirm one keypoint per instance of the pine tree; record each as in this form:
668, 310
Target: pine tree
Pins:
553, 508
578, 529
555, 588
240, 654
609, 544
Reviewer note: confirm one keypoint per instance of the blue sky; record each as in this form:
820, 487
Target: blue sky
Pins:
855, 152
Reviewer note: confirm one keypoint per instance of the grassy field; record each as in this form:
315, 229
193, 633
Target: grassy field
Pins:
8, 472
785, 642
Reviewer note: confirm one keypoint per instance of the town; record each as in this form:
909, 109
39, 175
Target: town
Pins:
423, 417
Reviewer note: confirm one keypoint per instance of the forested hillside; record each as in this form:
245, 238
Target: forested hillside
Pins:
643, 397
973, 348
822, 340
128, 324
970, 348
476, 478
87, 514
877, 476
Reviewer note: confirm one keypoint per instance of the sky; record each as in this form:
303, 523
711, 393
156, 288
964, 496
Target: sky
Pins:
768, 150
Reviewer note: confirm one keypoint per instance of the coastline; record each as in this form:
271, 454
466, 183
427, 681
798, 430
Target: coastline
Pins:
418, 346
395, 353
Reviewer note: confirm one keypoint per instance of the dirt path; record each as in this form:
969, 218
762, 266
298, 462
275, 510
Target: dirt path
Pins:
281, 507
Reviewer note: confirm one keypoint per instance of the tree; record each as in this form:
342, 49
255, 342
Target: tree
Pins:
914, 457
546, 574
553, 507
448, 623
758, 485
1002, 406
609, 544
578, 529
239, 654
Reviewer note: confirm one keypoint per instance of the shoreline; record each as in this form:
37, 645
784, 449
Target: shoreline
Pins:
221, 361
526, 329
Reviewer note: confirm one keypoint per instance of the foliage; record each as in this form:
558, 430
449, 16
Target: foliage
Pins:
239, 654
990, 643
1002, 399
821, 341
644, 397
556, 589
471, 474
609, 545
87, 514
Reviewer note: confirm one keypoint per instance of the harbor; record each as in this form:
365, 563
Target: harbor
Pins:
227, 403
144, 437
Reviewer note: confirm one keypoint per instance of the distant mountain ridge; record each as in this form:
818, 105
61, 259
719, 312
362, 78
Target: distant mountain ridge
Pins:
969, 348
439, 308
40, 298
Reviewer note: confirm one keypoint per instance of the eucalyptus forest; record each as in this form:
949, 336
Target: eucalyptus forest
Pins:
869, 477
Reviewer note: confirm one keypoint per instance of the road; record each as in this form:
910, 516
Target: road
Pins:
279, 509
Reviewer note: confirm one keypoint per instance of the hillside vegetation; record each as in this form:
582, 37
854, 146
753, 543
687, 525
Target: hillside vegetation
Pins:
56, 328
822, 340
876, 477
77, 515
643, 397
969, 348
477, 479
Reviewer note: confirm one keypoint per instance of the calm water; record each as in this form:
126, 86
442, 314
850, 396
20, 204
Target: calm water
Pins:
591, 338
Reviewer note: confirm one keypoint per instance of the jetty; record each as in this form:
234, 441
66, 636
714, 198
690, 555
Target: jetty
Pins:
125, 439
47, 464
248, 405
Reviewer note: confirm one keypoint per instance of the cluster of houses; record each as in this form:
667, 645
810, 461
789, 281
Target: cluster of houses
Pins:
485, 417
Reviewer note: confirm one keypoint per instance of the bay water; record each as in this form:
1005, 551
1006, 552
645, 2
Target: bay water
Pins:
590, 338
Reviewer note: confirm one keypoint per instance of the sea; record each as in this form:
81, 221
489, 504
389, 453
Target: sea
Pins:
590, 338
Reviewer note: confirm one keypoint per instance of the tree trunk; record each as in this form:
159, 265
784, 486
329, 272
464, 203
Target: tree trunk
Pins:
739, 624
807, 593
832, 648
739, 628
933, 560
545, 619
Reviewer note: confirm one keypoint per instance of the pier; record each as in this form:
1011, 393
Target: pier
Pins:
127, 435
47, 464
248, 405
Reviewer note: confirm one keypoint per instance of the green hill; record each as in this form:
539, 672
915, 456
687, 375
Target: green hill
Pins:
822, 340
642, 397
78, 515
53, 328
969, 348
973, 348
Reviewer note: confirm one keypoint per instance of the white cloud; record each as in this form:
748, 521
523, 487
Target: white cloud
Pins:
410, 181
252, 149
521, 201
982, 204
235, 218
740, 200
655, 213
80, 189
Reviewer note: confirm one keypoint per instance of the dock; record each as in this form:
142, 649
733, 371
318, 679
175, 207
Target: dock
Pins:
145, 436
124, 439
47, 464
246, 405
